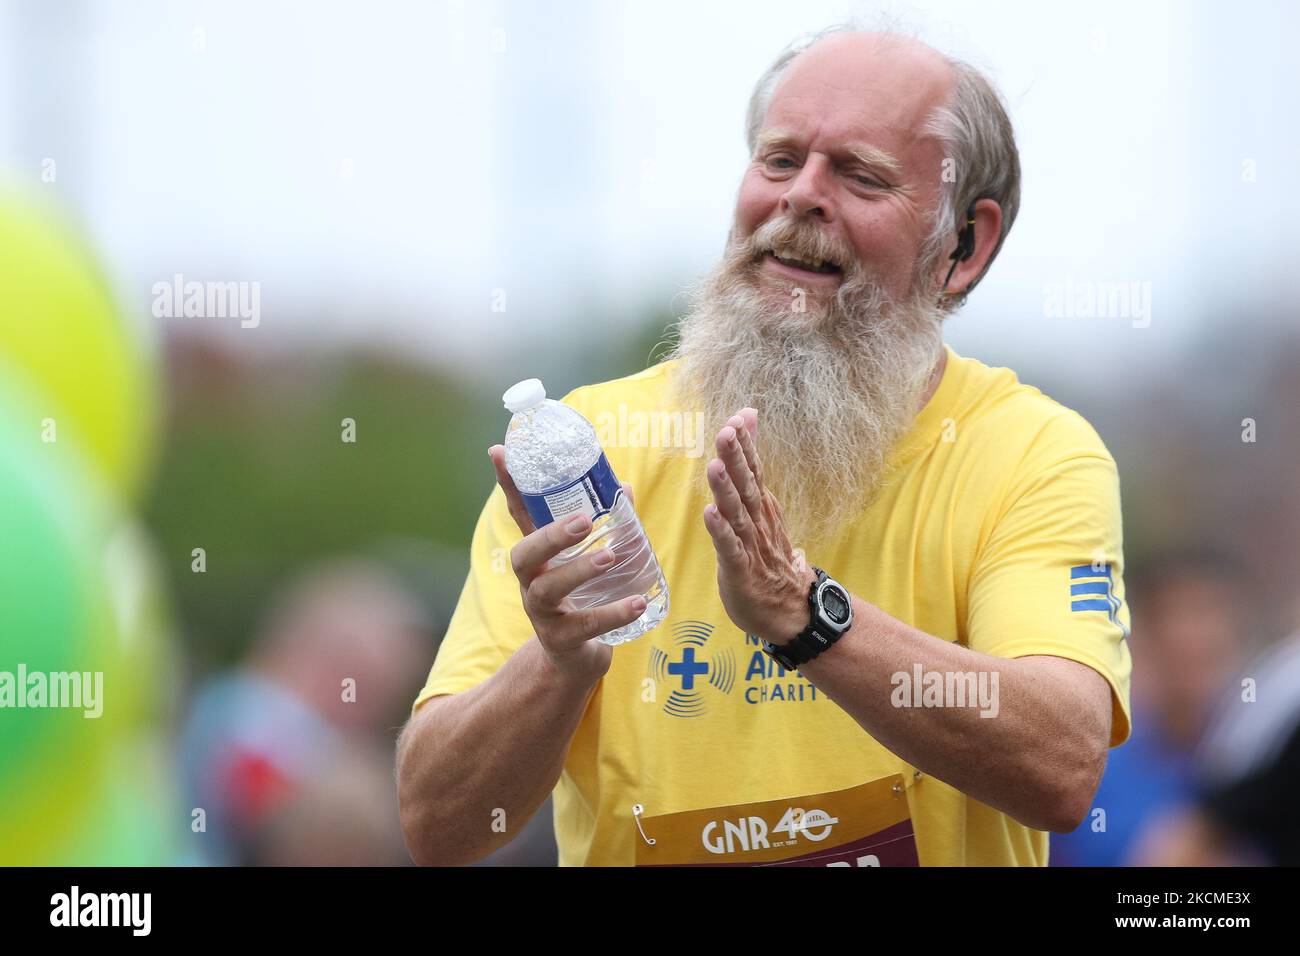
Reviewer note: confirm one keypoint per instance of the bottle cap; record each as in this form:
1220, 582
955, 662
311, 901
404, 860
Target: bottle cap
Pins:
524, 395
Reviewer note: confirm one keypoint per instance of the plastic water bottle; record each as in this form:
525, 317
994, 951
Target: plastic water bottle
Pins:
557, 464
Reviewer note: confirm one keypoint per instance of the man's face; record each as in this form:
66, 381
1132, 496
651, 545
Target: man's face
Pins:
841, 154
835, 360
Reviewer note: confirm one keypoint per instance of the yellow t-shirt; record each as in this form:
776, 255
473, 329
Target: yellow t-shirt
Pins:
999, 530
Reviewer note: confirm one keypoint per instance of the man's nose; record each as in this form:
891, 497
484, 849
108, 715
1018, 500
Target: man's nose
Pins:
809, 192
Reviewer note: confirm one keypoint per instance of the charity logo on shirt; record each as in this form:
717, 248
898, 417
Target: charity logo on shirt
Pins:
696, 667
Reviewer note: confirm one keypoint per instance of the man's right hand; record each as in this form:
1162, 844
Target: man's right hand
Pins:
565, 633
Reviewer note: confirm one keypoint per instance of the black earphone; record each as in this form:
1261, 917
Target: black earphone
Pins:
965, 243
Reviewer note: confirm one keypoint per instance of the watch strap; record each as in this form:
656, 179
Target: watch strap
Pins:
809, 642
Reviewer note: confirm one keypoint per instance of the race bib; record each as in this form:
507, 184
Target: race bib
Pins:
868, 825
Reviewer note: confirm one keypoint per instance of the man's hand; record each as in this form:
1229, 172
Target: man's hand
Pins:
564, 631
762, 580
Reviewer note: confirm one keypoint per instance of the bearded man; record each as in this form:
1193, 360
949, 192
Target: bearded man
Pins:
896, 631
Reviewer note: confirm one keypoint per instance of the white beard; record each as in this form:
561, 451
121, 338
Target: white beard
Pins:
835, 386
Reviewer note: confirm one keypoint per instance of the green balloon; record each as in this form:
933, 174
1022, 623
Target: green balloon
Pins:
61, 655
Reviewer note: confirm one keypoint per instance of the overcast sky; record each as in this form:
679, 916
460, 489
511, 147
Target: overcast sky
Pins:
381, 168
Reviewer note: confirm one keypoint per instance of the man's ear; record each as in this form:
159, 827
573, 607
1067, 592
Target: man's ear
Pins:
988, 227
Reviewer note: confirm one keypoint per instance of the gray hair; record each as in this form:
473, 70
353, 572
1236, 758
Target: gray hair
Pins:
977, 136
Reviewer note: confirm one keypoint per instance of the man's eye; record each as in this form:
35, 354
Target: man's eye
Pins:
868, 181
776, 161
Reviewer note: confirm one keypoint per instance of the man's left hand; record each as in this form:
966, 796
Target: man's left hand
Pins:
762, 580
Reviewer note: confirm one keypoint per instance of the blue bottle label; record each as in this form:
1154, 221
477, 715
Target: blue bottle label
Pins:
592, 494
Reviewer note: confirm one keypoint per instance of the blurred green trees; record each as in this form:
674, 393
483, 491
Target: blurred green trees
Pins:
255, 471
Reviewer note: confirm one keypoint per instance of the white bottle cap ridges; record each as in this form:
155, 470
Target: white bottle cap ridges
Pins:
524, 394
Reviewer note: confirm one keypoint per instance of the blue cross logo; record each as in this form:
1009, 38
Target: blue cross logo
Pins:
688, 668
716, 670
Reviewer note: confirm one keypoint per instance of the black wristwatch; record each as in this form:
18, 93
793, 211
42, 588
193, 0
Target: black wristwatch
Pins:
831, 612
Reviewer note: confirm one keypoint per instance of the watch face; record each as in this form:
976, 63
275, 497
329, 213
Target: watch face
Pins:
835, 606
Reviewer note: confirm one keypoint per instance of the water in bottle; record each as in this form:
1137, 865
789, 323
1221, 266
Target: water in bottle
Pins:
556, 462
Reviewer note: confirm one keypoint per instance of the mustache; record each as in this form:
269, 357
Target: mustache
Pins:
803, 239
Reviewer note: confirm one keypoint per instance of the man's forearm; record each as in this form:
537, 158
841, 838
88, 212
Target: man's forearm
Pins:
497, 747
1032, 760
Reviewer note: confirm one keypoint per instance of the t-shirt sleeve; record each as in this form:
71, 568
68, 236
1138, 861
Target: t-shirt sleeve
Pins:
1049, 578
489, 623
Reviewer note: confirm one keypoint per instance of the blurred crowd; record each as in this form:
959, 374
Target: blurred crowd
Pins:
1214, 756
290, 751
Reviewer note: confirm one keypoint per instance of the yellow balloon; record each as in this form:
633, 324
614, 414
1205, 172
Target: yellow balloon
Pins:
89, 372
134, 818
